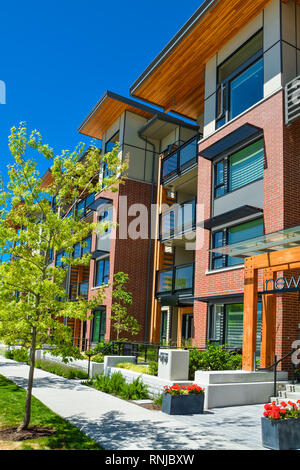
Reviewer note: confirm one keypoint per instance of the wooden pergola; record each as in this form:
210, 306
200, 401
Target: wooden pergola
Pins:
271, 263
272, 253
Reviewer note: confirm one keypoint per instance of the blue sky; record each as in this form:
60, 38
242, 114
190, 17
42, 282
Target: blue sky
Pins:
59, 57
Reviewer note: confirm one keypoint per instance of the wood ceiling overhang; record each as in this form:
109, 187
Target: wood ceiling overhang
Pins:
108, 109
175, 79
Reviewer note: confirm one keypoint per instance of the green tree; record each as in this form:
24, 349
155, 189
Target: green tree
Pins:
32, 294
121, 320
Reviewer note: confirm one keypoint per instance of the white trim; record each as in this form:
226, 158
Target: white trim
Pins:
221, 270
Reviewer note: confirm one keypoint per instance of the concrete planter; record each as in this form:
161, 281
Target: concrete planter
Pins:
183, 404
282, 434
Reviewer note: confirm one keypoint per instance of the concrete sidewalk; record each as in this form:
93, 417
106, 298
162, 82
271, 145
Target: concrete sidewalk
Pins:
120, 425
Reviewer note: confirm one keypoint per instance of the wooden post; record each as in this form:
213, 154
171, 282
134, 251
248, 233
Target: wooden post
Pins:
179, 327
268, 322
155, 307
250, 316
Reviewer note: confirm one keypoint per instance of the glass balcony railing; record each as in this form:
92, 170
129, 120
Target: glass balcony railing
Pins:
180, 159
181, 218
179, 279
79, 290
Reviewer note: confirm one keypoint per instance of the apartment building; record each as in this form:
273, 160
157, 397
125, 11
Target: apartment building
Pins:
143, 133
236, 185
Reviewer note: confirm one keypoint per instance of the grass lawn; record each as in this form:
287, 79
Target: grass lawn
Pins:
65, 437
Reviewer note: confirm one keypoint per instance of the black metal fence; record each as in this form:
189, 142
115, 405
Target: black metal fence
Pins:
144, 352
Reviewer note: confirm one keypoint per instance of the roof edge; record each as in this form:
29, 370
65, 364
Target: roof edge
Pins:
179, 36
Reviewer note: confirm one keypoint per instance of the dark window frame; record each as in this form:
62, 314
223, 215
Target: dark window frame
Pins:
103, 258
223, 87
102, 311
225, 231
225, 157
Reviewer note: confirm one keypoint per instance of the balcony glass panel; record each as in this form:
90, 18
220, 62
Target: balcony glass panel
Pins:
169, 165
178, 220
179, 278
181, 158
184, 277
165, 281
188, 152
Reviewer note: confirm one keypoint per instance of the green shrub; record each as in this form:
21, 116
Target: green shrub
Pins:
116, 385
20, 355
153, 368
61, 370
214, 358
158, 400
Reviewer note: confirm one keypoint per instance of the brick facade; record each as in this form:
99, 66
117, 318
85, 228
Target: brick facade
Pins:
281, 193
128, 256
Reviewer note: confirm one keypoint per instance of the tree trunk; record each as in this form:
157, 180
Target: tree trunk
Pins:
27, 414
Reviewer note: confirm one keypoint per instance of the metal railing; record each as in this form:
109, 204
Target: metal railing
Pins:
274, 367
292, 100
180, 159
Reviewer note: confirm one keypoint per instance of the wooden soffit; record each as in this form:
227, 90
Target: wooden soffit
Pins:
175, 79
108, 109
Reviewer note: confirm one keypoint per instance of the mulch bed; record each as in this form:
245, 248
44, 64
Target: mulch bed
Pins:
33, 432
150, 406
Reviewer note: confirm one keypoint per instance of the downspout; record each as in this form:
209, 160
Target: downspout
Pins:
150, 237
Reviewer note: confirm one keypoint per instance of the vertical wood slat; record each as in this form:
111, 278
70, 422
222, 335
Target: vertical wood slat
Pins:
250, 317
268, 323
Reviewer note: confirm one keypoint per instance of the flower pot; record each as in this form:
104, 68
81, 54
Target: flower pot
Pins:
183, 404
281, 434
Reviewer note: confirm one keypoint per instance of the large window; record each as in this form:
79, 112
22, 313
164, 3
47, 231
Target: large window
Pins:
240, 80
225, 325
99, 326
230, 235
239, 169
102, 271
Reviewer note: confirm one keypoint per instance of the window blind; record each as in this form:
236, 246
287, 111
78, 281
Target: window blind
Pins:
247, 165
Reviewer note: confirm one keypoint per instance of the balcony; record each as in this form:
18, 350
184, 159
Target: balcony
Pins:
292, 100
79, 290
179, 220
177, 281
180, 160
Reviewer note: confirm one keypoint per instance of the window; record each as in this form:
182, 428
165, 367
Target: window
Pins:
99, 326
58, 262
105, 218
231, 235
88, 245
109, 146
187, 328
225, 325
240, 80
163, 326
239, 169
215, 323
82, 205
80, 250
102, 272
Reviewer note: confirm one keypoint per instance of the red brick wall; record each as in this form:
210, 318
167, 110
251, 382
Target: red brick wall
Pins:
269, 116
128, 256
